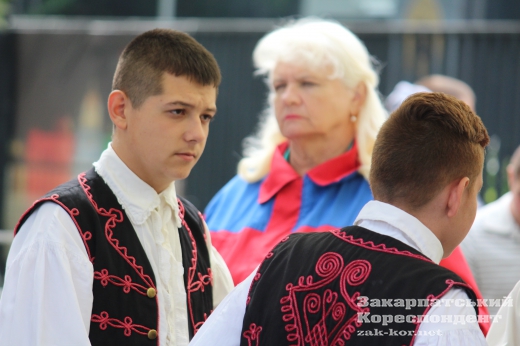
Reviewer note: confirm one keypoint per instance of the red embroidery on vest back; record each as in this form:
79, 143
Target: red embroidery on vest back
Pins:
299, 308
253, 334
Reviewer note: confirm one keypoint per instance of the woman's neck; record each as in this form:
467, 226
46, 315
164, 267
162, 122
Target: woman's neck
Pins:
307, 154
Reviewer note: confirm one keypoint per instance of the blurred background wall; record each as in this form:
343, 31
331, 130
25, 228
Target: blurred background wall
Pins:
57, 58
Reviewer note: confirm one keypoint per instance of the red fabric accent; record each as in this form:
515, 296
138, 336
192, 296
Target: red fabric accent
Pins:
327, 173
337, 168
285, 174
203, 280
329, 267
456, 262
104, 321
253, 334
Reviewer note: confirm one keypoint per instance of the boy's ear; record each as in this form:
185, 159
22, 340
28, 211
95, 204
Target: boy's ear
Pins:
117, 103
455, 194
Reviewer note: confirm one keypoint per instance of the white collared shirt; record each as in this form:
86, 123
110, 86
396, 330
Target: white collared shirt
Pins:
224, 326
47, 297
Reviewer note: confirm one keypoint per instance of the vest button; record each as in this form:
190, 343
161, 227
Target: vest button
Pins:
151, 293
152, 334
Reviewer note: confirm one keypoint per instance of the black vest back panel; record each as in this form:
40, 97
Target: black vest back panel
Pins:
324, 289
125, 307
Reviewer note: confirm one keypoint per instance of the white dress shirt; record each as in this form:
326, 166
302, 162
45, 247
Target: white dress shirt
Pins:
47, 296
505, 329
224, 326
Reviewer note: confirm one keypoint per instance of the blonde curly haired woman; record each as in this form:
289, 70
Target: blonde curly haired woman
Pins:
306, 167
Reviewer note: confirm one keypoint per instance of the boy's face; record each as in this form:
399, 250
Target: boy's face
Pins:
166, 135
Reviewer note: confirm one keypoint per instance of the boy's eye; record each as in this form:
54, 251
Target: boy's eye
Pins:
207, 117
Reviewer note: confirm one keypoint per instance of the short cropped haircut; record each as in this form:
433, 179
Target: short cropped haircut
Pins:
515, 163
431, 140
141, 66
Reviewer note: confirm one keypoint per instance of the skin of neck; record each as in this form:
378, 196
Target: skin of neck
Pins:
309, 152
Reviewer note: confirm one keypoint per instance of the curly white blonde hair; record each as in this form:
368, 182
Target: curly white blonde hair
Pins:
316, 43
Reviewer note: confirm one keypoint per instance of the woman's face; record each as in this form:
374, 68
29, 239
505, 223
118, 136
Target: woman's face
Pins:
308, 104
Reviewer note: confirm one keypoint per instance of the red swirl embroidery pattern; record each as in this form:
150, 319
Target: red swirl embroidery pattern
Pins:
72, 212
126, 283
115, 216
370, 245
253, 335
104, 321
302, 304
202, 280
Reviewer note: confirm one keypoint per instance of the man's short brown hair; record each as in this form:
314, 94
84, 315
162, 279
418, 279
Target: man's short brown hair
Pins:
429, 141
143, 62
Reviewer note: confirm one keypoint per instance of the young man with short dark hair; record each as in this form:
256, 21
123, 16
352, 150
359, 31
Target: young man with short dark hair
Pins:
377, 282
114, 257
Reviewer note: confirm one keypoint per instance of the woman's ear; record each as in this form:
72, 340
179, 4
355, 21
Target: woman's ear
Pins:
117, 104
358, 100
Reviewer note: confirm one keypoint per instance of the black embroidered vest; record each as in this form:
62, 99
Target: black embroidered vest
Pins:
344, 287
125, 307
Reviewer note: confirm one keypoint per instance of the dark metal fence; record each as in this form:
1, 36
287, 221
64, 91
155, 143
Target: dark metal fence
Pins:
64, 70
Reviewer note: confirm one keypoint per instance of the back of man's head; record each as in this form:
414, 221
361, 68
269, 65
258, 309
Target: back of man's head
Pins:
148, 56
451, 86
428, 142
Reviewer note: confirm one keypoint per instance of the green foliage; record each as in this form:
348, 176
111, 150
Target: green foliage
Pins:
5, 6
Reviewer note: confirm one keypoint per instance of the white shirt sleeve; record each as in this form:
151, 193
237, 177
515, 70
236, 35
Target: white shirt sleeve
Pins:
224, 325
442, 326
47, 296
505, 329
222, 281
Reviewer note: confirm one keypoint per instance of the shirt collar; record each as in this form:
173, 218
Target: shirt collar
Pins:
282, 173
136, 197
421, 237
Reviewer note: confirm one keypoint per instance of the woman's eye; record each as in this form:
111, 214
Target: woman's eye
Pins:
279, 87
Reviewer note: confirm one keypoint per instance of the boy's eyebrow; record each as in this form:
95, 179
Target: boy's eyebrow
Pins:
189, 105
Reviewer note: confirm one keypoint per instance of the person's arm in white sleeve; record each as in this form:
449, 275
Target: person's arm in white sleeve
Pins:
505, 329
224, 325
222, 281
453, 322
47, 296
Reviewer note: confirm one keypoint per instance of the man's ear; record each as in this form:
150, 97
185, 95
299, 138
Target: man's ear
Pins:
117, 104
456, 192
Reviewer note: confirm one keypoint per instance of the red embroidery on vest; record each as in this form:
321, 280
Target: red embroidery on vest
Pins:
115, 216
298, 307
72, 212
432, 298
371, 246
203, 280
104, 321
253, 334
126, 283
